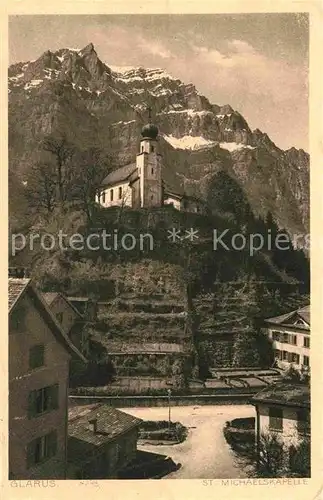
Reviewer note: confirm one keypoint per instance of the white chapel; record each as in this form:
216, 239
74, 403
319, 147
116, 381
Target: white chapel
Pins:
140, 184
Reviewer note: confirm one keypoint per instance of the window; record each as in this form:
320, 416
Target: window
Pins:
276, 335
293, 339
303, 422
275, 419
142, 149
284, 355
111, 194
103, 197
294, 358
120, 192
152, 171
41, 449
277, 354
36, 356
285, 338
43, 400
306, 361
152, 149
17, 321
290, 357
306, 342
59, 317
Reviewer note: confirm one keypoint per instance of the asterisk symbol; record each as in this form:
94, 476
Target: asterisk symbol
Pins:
174, 234
191, 234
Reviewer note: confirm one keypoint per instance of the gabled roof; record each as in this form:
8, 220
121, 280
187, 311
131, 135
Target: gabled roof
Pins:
50, 298
288, 319
285, 393
111, 423
122, 174
15, 289
18, 287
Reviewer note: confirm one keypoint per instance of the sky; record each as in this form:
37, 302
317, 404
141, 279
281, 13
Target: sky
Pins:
257, 63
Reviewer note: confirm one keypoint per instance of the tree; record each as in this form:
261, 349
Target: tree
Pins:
245, 351
62, 152
91, 166
41, 186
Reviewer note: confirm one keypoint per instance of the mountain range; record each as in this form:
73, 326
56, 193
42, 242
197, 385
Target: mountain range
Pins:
73, 92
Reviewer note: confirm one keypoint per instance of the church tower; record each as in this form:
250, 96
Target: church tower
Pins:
149, 168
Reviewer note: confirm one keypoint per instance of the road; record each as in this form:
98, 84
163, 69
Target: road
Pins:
205, 453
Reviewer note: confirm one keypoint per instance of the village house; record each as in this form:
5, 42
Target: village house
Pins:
283, 409
290, 335
70, 319
87, 307
102, 441
141, 184
39, 357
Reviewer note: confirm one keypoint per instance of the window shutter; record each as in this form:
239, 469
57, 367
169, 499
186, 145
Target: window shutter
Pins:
51, 444
54, 397
32, 404
31, 454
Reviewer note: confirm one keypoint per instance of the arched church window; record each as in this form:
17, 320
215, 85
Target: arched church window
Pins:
103, 197
120, 192
111, 194
142, 149
152, 171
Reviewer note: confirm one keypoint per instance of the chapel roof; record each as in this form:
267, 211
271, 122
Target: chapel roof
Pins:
122, 174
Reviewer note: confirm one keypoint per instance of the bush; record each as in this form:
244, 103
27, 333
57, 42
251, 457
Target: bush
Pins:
270, 455
300, 459
162, 430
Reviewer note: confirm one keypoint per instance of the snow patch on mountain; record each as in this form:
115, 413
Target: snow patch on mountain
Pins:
234, 146
140, 74
123, 69
189, 112
32, 84
188, 142
15, 78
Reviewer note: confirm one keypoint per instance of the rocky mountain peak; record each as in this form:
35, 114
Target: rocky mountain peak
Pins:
88, 49
73, 90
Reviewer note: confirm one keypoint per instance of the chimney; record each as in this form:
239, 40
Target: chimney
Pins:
93, 425
18, 272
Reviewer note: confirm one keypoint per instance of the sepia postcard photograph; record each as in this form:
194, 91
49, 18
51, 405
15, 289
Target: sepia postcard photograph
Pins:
159, 284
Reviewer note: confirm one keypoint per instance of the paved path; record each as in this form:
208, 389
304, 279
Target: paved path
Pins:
205, 453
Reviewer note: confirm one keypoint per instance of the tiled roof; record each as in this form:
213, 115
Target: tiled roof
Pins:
110, 424
15, 289
119, 175
285, 393
303, 312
